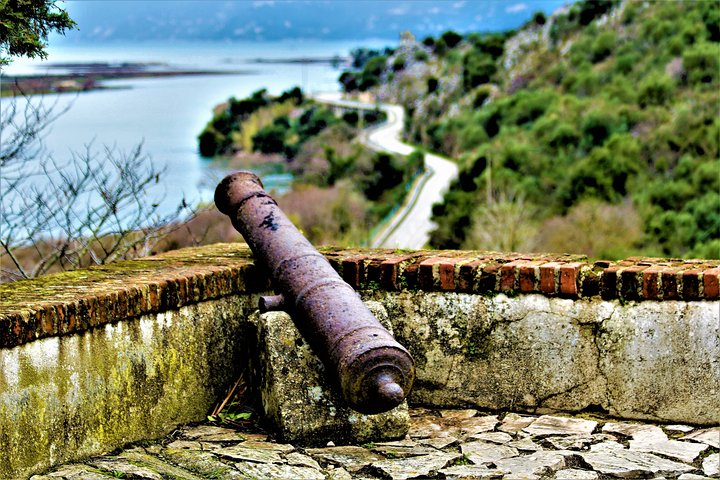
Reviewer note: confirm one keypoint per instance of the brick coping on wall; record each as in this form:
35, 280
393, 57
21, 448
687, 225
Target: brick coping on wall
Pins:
76, 301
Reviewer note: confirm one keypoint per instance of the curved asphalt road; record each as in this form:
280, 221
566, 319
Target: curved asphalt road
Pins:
410, 227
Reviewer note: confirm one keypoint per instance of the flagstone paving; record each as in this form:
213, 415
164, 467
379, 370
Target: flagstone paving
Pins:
447, 444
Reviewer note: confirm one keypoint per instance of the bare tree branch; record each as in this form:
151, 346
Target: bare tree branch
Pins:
92, 208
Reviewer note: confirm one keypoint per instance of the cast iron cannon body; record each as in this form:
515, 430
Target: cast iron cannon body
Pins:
374, 372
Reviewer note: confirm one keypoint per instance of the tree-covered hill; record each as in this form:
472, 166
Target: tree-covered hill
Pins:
592, 131
340, 188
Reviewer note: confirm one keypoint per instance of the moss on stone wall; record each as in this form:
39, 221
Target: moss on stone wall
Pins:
63, 398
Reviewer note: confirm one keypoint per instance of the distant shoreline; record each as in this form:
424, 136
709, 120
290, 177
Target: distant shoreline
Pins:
84, 77
334, 60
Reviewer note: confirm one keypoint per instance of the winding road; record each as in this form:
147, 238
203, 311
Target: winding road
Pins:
411, 224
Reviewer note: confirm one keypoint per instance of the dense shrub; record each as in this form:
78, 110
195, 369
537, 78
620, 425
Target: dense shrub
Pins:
451, 38
711, 19
271, 139
211, 142
656, 30
702, 63
597, 126
414, 164
580, 15
603, 46
351, 117
656, 90
361, 56
387, 173
562, 136
294, 94
471, 136
370, 76
539, 18
588, 10
349, 81
217, 138
584, 83
398, 63
478, 68
440, 48
471, 172
525, 106
481, 95
453, 218
420, 55
492, 45
313, 121
374, 116
625, 62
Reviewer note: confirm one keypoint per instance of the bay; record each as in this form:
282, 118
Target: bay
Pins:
166, 114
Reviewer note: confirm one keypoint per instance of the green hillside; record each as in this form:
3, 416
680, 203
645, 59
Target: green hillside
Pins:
593, 131
340, 188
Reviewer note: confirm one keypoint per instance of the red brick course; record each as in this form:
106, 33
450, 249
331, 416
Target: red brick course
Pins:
651, 282
428, 273
569, 279
529, 275
508, 277
67, 303
632, 282
446, 272
353, 270
691, 284
670, 284
469, 271
389, 271
549, 277
711, 284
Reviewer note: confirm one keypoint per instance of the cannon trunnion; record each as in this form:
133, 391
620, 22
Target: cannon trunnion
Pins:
373, 371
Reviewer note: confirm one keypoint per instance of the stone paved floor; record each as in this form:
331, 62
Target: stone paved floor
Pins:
450, 444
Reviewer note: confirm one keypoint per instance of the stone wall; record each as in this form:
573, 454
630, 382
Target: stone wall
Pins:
655, 360
93, 359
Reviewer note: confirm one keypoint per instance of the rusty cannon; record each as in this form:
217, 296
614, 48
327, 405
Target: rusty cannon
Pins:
373, 371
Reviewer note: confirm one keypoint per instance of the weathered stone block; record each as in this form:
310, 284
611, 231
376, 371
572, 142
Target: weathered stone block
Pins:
662, 361
498, 352
298, 397
655, 360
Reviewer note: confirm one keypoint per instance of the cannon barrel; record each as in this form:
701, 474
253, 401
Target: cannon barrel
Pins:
374, 372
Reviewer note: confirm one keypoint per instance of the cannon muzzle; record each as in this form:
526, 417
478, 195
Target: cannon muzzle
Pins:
373, 371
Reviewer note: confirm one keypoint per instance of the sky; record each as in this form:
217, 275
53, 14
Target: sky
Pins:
264, 20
